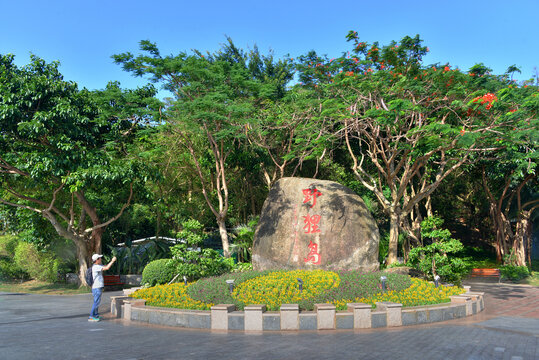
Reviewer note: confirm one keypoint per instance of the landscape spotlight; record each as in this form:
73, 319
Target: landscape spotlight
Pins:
383, 279
230, 285
436, 278
300, 284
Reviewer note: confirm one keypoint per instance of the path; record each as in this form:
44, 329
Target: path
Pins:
55, 327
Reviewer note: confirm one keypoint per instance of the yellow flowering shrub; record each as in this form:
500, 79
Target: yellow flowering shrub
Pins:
281, 287
173, 295
421, 292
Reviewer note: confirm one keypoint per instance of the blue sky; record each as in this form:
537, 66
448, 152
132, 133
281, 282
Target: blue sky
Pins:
82, 35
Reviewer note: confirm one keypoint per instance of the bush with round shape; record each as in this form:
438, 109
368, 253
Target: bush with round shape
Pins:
158, 272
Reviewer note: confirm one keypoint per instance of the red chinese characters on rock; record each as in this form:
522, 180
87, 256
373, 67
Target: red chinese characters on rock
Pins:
313, 256
311, 224
311, 194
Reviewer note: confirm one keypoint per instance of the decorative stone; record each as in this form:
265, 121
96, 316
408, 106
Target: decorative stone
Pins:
128, 304
219, 316
253, 317
362, 315
289, 317
394, 312
116, 303
325, 316
315, 224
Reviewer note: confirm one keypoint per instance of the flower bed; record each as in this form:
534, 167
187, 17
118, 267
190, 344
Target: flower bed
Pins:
274, 288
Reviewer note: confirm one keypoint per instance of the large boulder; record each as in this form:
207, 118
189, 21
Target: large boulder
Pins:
315, 224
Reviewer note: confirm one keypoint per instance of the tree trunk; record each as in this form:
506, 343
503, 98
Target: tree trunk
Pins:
224, 236
393, 236
84, 259
520, 240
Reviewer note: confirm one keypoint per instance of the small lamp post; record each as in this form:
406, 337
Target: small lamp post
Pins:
300, 285
383, 279
436, 279
230, 285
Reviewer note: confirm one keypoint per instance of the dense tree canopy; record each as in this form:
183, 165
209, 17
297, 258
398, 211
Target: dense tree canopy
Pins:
412, 139
61, 147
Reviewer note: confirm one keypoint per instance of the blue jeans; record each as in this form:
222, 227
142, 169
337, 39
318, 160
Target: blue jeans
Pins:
97, 300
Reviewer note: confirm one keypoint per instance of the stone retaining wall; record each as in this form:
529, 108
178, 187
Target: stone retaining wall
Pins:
325, 317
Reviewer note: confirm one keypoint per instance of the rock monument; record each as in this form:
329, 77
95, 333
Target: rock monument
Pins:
315, 224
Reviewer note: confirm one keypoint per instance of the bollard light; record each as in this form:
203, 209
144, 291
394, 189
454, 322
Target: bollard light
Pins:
230, 285
383, 279
436, 278
185, 280
300, 284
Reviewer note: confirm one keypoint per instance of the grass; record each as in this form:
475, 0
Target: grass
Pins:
42, 287
532, 280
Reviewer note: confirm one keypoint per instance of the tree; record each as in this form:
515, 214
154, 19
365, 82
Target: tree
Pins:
60, 148
216, 96
407, 126
510, 175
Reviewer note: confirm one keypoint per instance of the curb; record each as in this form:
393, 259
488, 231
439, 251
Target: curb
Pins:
289, 318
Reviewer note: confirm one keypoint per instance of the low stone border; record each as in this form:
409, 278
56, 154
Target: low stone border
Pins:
325, 317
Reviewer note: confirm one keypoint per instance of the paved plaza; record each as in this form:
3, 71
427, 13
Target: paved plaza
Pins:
56, 327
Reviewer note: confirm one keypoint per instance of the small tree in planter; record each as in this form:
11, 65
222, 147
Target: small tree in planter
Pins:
192, 261
438, 258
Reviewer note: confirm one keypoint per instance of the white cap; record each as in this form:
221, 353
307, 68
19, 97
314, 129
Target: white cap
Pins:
95, 257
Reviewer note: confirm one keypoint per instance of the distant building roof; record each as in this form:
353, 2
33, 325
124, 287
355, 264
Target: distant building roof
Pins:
145, 240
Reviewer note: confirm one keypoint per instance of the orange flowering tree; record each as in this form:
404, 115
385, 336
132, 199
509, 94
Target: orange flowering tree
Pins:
407, 126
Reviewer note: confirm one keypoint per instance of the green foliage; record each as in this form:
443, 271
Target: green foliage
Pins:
355, 285
8, 244
438, 258
215, 290
9, 269
133, 259
39, 265
242, 267
193, 261
64, 151
158, 272
513, 272
243, 236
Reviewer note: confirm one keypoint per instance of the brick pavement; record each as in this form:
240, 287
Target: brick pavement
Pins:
53, 327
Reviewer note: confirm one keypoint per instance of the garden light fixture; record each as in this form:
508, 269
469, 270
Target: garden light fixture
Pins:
436, 278
300, 284
185, 280
230, 285
383, 279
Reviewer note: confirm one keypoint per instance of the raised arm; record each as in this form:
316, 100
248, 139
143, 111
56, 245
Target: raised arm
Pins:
106, 267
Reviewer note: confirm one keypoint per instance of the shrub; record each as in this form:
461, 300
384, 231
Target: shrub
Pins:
158, 272
241, 267
194, 262
9, 270
8, 243
273, 287
215, 289
513, 272
281, 287
355, 285
438, 258
39, 265
173, 296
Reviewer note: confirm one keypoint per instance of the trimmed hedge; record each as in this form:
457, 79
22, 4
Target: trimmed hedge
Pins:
158, 272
